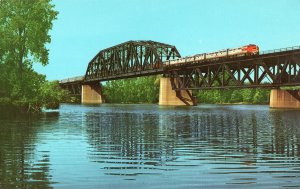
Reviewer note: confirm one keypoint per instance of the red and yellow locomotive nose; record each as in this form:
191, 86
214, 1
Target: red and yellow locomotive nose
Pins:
251, 49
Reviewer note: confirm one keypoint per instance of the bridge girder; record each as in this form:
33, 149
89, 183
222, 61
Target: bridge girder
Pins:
266, 71
271, 69
123, 60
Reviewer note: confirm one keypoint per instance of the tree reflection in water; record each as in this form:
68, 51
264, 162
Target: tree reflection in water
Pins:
20, 167
132, 145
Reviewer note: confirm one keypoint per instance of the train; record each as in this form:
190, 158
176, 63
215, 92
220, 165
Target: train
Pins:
246, 50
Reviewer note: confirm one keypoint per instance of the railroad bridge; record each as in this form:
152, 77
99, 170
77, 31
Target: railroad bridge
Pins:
270, 69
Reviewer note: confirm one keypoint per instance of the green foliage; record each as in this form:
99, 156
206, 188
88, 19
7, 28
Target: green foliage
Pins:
50, 94
24, 27
37, 92
290, 88
136, 90
261, 96
248, 95
236, 96
251, 96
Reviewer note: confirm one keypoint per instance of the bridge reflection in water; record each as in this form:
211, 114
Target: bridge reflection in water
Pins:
129, 146
245, 143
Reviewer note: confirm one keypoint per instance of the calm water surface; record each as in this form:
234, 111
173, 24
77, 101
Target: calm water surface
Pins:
149, 146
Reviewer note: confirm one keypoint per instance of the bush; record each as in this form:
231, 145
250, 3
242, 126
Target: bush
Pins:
136, 90
252, 96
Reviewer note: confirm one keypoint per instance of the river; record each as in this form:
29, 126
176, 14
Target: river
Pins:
149, 146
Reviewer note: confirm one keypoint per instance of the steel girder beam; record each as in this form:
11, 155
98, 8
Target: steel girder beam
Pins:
261, 71
187, 101
74, 88
73, 85
132, 57
295, 94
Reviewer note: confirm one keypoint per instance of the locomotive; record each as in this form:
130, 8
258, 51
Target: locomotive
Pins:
246, 50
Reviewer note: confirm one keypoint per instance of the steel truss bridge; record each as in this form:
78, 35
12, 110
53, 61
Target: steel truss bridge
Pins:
130, 59
270, 69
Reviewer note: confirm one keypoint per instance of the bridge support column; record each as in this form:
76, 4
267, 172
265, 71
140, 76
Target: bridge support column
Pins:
167, 96
91, 94
285, 98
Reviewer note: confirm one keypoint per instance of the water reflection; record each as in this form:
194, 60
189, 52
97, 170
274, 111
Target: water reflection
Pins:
20, 166
131, 146
286, 133
223, 141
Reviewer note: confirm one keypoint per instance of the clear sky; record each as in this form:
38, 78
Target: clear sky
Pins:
84, 27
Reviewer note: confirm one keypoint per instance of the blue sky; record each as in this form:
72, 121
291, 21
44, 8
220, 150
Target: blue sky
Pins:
84, 27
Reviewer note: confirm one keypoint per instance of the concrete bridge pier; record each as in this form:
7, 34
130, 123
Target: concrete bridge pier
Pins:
168, 96
91, 93
285, 98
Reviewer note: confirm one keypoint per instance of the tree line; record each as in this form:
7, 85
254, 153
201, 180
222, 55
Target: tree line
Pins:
134, 90
146, 90
248, 96
24, 28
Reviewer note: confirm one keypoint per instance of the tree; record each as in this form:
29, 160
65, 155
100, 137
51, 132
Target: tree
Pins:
50, 95
236, 96
248, 95
261, 96
24, 33
135, 90
24, 27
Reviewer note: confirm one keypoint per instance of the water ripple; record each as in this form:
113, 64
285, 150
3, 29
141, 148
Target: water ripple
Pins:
131, 146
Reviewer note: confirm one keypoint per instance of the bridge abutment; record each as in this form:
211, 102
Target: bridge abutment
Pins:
285, 98
91, 94
168, 96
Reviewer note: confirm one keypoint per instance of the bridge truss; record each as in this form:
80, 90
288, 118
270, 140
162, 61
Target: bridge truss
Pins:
130, 59
274, 69
267, 70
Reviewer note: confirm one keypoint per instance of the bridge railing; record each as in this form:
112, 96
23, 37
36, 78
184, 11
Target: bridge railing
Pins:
280, 50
